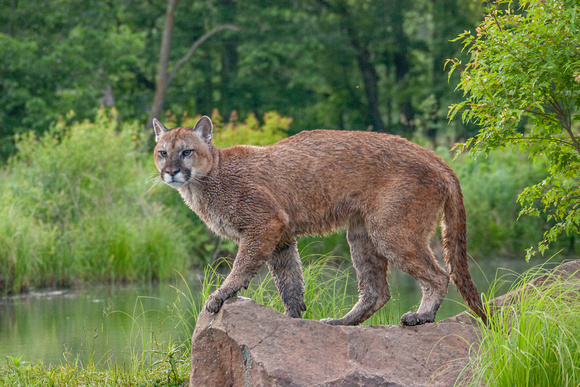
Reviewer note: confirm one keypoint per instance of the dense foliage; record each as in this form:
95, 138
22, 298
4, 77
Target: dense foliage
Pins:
326, 63
522, 87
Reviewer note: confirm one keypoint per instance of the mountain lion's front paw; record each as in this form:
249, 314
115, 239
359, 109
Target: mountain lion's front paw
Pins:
214, 302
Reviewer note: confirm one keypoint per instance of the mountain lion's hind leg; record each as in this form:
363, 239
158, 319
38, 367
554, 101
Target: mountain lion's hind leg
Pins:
371, 271
410, 252
433, 281
401, 229
284, 265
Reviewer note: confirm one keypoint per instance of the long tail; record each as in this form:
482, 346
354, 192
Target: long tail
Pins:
454, 234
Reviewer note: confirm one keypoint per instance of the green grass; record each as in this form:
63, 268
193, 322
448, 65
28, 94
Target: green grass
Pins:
535, 341
73, 213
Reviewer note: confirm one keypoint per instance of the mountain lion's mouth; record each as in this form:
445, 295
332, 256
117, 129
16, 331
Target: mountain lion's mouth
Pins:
175, 184
174, 181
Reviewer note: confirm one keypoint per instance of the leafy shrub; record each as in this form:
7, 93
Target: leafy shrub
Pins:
76, 207
522, 87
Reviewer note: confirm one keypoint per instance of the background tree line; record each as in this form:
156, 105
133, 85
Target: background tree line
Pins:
341, 64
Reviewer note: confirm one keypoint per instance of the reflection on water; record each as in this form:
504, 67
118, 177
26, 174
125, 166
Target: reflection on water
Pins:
94, 323
110, 322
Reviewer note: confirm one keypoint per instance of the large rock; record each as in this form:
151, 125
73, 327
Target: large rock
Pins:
247, 344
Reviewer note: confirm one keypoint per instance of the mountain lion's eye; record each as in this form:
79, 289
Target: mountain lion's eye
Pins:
187, 152
163, 154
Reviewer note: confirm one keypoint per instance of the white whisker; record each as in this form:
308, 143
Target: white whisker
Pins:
154, 180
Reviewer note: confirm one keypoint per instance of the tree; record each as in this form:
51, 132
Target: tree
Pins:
164, 77
522, 87
360, 46
64, 57
340, 64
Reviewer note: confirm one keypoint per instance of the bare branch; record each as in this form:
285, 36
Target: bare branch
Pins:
195, 46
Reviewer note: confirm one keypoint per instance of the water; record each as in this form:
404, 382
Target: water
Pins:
112, 322
95, 323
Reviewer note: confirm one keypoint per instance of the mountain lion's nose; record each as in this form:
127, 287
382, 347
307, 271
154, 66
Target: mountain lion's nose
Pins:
172, 171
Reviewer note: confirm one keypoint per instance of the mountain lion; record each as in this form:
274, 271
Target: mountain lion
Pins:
386, 191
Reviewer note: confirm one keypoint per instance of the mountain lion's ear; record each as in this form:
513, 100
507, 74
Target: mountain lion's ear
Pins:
204, 129
158, 128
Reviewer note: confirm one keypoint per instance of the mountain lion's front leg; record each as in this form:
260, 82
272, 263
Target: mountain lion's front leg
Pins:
286, 270
253, 252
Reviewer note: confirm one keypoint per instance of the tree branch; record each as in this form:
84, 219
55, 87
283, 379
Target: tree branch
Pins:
195, 46
493, 13
574, 141
566, 124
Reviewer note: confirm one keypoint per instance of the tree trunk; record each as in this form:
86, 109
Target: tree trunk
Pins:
162, 73
228, 90
370, 79
402, 69
164, 78
366, 67
12, 17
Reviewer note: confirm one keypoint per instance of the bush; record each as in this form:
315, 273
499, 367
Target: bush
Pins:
75, 207
522, 87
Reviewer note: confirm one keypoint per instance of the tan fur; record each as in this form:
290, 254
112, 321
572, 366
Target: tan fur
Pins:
386, 191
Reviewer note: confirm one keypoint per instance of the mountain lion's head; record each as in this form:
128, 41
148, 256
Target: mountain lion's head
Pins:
183, 154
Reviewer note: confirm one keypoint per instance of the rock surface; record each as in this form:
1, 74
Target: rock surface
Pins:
247, 344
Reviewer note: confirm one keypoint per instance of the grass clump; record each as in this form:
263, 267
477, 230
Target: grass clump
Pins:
534, 340
76, 207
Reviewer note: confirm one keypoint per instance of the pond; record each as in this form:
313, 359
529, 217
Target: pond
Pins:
95, 323
116, 322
